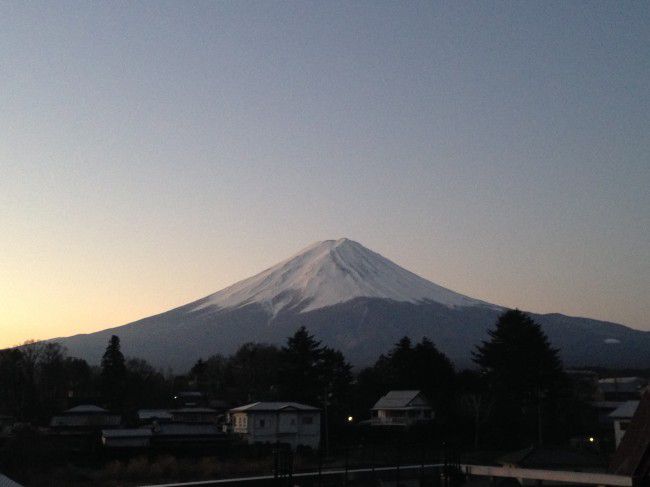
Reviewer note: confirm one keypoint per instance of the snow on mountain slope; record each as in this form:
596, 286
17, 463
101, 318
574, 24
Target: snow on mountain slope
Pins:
333, 272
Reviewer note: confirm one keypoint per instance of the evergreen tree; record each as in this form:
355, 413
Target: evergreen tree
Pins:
525, 376
300, 370
421, 367
252, 373
12, 383
113, 374
198, 374
434, 375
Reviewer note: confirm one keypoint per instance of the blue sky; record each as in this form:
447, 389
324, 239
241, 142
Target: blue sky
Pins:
155, 152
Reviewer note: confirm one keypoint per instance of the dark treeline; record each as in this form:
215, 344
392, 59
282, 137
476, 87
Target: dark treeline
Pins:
517, 395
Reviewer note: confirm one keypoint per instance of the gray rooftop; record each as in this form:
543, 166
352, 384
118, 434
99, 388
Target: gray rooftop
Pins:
625, 410
85, 409
165, 429
621, 384
127, 433
273, 406
7, 482
184, 429
194, 410
154, 414
396, 400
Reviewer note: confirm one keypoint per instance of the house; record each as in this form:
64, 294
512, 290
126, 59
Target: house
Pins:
271, 422
167, 435
195, 415
181, 415
401, 408
632, 457
148, 416
85, 417
78, 428
187, 435
621, 388
127, 438
622, 416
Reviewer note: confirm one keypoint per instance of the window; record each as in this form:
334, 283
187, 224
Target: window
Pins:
293, 421
307, 420
262, 423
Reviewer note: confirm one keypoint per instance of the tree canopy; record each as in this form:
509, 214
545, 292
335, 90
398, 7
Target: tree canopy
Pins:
525, 374
113, 374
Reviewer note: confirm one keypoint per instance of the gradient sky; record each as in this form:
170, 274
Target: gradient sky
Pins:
152, 153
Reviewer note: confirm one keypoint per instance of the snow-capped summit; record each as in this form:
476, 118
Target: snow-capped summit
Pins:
332, 272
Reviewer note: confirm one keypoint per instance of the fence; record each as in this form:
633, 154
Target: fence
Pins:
347, 467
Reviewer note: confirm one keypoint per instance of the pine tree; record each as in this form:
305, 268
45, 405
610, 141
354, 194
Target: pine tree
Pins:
300, 370
525, 375
113, 374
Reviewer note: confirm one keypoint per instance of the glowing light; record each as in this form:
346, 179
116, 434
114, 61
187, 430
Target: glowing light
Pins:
350, 419
591, 439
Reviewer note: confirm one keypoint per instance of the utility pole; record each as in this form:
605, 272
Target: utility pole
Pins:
326, 439
540, 396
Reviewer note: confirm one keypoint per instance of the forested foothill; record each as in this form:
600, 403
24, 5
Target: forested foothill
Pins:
517, 395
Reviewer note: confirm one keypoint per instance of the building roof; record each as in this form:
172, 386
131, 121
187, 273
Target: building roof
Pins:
128, 433
606, 404
7, 482
621, 384
625, 410
632, 456
183, 429
193, 410
190, 394
273, 406
73, 421
85, 409
154, 414
397, 400
165, 429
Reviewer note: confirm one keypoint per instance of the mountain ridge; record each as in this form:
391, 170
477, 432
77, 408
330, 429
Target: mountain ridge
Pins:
352, 299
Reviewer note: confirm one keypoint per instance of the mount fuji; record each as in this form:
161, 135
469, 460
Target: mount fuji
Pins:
352, 299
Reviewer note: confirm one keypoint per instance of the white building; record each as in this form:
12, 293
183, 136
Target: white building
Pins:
622, 417
270, 422
401, 408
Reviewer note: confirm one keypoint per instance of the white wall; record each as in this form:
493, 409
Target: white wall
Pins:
295, 427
